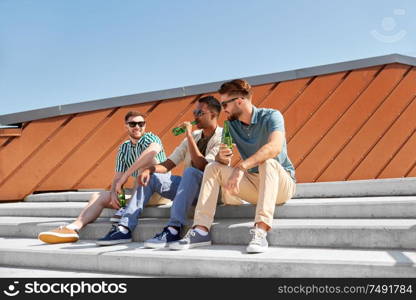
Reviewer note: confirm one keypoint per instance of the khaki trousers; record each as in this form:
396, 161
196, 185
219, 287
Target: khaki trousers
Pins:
271, 186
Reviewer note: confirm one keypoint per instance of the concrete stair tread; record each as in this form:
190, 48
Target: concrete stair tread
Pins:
352, 188
330, 233
277, 223
359, 207
10, 272
216, 260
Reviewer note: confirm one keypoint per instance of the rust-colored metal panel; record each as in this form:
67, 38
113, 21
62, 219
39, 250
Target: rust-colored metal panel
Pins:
21, 149
285, 94
371, 132
64, 144
390, 143
346, 127
44, 162
326, 116
403, 162
309, 101
412, 172
4, 140
261, 92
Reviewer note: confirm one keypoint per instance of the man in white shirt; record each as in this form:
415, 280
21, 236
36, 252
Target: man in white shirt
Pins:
197, 150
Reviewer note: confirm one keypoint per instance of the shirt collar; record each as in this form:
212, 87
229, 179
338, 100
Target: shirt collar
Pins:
254, 115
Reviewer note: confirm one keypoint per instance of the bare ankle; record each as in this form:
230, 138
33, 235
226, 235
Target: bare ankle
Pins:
263, 226
203, 228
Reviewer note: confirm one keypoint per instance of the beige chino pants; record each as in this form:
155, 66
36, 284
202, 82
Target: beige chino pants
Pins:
271, 186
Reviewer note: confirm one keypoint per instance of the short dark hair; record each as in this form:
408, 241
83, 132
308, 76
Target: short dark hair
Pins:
133, 113
236, 87
212, 103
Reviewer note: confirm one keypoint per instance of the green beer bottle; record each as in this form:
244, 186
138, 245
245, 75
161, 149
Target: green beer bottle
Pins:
122, 198
180, 130
226, 135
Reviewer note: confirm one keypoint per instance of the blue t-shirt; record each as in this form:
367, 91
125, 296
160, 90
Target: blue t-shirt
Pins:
249, 139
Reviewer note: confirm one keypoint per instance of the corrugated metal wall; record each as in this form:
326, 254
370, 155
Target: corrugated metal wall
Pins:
358, 124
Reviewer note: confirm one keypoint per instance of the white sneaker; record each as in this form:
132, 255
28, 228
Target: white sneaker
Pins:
258, 243
117, 216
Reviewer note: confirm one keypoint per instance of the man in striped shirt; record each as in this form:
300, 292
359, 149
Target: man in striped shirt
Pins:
140, 151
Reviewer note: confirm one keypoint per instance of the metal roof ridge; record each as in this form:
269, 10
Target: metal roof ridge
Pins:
131, 99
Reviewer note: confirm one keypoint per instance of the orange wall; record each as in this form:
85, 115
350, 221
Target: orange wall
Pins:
350, 125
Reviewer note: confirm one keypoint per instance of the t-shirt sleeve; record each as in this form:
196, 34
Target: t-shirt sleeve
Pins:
276, 122
121, 166
178, 155
213, 151
149, 138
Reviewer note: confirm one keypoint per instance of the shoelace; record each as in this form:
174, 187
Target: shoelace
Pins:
114, 227
257, 236
189, 234
161, 235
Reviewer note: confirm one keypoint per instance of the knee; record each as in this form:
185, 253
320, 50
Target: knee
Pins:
213, 167
192, 174
102, 198
271, 162
191, 171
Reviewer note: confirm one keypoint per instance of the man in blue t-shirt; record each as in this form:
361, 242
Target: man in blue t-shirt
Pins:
265, 176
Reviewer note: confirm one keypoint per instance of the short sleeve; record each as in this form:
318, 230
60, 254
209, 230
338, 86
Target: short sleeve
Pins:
179, 153
215, 148
149, 138
276, 122
121, 166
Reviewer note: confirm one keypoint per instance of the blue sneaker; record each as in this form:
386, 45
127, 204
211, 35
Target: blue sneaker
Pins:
114, 237
191, 240
163, 239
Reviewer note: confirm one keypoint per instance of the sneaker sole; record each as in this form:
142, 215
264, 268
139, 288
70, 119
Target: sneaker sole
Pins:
111, 243
155, 245
188, 246
57, 238
252, 250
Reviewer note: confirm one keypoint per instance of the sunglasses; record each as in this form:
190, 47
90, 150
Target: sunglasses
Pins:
199, 112
224, 103
134, 124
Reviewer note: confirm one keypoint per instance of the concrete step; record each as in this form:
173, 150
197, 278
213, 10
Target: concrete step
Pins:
213, 261
10, 272
336, 189
329, 233
360, 207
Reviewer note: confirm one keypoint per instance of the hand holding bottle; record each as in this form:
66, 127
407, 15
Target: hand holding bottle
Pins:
181, 129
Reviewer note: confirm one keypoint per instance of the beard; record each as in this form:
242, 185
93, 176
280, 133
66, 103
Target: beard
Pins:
136, 135
235, 115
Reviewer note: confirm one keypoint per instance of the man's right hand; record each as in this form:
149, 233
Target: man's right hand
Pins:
144, 177
225, 154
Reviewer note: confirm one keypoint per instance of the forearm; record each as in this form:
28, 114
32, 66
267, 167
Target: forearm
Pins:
116, 178
264, 153
198, 160
160, 168
145, 160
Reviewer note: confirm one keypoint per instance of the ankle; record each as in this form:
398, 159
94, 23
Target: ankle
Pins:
201, 228
263, 226
123, 229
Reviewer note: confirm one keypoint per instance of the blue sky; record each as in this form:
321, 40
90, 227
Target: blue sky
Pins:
58, 52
